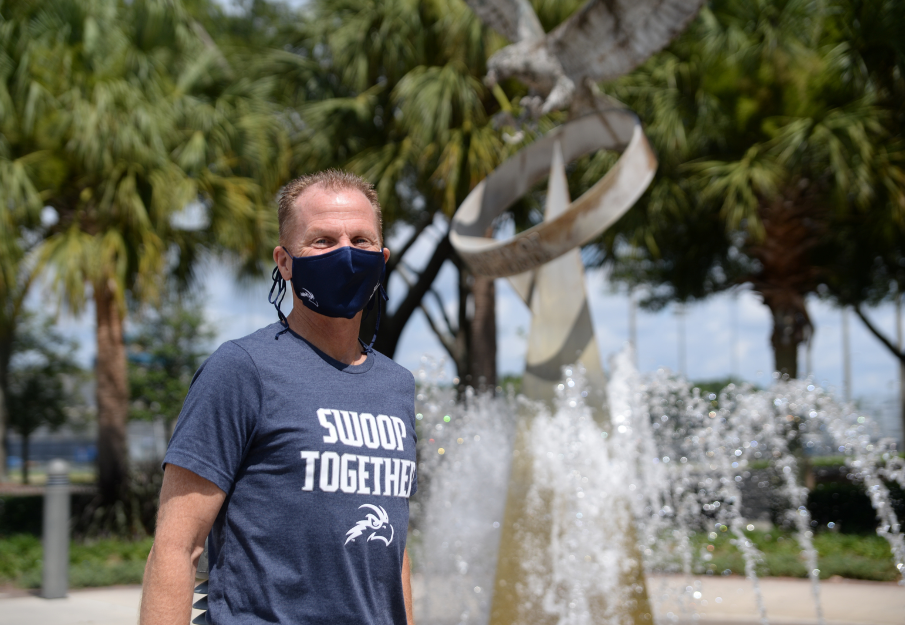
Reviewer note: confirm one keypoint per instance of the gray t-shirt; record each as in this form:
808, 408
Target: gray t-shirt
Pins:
317, 460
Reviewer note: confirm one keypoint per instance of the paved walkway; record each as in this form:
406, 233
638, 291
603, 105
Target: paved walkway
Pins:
115, 605
723, 601
731, 600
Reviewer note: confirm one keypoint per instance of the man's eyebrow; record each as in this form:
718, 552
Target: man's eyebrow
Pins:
368, 233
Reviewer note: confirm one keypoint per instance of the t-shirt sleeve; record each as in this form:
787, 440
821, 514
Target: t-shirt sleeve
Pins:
218, 418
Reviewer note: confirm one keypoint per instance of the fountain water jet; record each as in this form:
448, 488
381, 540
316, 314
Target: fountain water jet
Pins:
683, 460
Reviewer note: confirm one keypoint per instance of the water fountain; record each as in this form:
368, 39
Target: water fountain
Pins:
684, 460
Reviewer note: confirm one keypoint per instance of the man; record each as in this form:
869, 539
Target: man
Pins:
295, 449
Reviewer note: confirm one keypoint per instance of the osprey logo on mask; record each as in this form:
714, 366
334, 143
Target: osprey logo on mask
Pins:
306, 295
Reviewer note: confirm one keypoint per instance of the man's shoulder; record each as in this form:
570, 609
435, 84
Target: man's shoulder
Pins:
242, 352
390, 367
263, 337
252, 345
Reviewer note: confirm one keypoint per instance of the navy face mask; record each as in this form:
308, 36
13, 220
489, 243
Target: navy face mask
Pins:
336, 284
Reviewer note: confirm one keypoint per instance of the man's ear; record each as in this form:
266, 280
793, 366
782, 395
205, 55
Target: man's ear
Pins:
283, 261
386, 254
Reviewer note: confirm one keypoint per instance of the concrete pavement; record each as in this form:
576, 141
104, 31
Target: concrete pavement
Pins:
731, 600
722, 601
114, 605
117, 605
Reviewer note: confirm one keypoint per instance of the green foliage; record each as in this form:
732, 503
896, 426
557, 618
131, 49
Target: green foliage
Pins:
133, 517
119, 114
169, 345
19, 554
551, 13
769, 116
21, 515
38, 391
717, 385
116, 561
24, 514
853, 556
406, 106
42, 382
511, 380
403, 104
849, 507
105, 562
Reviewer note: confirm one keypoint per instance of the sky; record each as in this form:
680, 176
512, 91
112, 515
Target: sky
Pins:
713, 329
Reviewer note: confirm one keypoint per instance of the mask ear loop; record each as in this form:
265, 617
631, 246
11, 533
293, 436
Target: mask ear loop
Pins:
280, 285
381, 294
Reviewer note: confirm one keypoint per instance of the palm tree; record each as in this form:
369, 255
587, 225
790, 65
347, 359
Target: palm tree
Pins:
769, 141
134, 113
21, 164
407, 109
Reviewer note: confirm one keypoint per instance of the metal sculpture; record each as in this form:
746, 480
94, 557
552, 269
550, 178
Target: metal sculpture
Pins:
543, 262
602, 40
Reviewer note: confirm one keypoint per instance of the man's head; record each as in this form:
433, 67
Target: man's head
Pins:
294, 200
324, 212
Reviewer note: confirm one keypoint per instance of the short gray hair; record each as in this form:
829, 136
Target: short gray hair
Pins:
333, 180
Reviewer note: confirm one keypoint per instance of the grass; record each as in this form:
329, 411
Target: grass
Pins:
113, 561
105, 562
37, 476
854, 556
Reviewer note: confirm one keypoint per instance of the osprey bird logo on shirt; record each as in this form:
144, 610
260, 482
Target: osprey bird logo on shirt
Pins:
376, 521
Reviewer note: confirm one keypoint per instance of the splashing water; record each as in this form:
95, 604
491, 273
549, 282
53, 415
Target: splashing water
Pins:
678, 461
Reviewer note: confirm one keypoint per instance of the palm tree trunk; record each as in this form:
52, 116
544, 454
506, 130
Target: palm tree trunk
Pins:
392, 325
471, 342
112, 396
787, 275
476, 344
463, 336
790, 321
483, 334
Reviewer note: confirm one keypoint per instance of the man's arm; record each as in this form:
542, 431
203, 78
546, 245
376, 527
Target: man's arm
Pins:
188, 506
407, 587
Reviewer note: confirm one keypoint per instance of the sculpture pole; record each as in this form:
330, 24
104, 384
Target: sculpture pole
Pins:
562, 331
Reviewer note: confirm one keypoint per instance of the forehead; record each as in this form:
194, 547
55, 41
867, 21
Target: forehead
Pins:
318, 207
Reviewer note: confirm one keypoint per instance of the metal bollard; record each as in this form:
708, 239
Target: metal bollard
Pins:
55, 580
